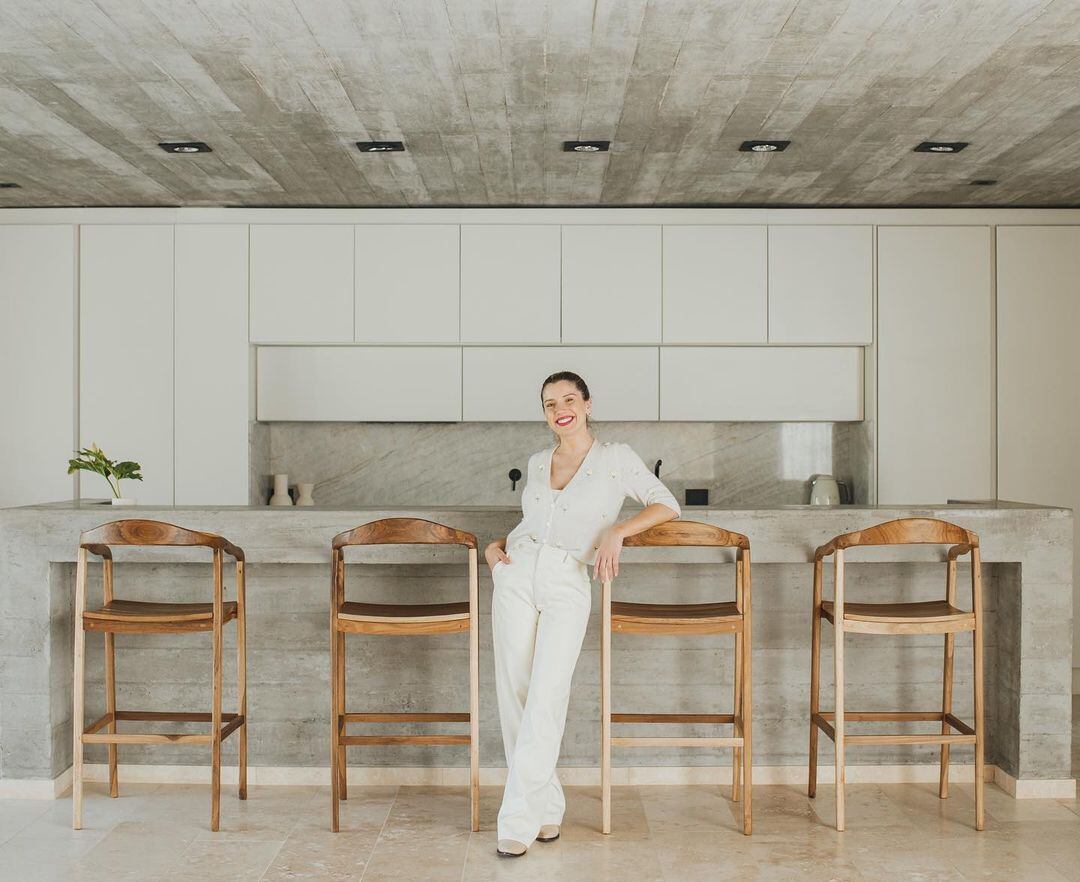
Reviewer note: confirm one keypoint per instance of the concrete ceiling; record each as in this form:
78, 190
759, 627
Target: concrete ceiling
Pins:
483, 92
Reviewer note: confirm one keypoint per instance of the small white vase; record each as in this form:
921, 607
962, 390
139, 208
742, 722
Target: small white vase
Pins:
281, 491
304, 497
123, 500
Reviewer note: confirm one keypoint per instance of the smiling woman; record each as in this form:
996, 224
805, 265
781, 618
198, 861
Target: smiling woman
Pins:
540, 606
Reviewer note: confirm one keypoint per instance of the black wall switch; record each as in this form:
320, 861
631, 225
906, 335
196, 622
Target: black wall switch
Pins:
697, 497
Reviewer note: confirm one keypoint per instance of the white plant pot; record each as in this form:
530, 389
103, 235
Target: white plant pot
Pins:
123, 500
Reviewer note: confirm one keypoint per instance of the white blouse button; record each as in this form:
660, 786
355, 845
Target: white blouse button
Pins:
607, 443
588, 473
614, 474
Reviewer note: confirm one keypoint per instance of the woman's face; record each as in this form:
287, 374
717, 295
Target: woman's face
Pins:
564, 408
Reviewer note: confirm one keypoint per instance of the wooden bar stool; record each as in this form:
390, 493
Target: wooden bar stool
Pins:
923, 617
728, 617
350, 617
140, 617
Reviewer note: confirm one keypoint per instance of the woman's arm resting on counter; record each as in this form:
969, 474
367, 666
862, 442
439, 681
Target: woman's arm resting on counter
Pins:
606, 566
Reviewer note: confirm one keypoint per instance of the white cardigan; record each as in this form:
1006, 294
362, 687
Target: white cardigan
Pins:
575, 517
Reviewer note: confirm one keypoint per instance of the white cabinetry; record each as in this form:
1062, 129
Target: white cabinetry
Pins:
1038, 325
611, 284
935, 364
301, 283
821, 284
212, 383
359, 383
510, 283
407, 283
126, 353
503, 383
761, 383
37, 363
715, 284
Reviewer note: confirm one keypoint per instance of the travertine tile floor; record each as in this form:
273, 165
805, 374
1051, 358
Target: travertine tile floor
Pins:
660, 833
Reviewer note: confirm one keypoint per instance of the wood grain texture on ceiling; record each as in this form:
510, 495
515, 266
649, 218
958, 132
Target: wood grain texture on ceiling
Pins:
484, 92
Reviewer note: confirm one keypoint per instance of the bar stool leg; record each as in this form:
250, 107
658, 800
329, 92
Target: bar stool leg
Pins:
947, 680
838, 659
78, 723
215, 711
815, 678
110, 678
980, 731
335, 686
605, 708
736, 753
474, 692
747, 701
343, 767
241, 676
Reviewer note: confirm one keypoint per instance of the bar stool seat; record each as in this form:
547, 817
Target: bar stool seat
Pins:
890, 618
166, 617
439, 616
685, 617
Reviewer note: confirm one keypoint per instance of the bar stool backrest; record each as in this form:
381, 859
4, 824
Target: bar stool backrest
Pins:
677, 532
138, 531
905, 531
403, 531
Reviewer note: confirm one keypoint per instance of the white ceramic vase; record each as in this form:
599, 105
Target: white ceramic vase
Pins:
304, 497
281, 491
123, 500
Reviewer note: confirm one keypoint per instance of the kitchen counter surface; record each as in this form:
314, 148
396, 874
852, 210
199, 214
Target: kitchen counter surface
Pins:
1027, 554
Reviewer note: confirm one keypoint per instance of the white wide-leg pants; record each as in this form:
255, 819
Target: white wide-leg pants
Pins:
540, 610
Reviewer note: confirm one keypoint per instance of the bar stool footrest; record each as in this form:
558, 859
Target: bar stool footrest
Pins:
673, 718
676, 742
825, 721
92, 734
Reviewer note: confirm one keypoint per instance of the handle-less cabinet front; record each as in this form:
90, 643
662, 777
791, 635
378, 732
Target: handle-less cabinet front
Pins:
510, 283
301, 283
503, 383
758, 383
715, 284
821, 284
407, 283
359, 383
126, 353
611, 284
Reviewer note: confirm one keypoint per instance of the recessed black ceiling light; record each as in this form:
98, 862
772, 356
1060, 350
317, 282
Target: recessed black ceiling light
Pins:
380, 146
763, 146
9, 185
941, 146
982, 182
185, 147
586, 146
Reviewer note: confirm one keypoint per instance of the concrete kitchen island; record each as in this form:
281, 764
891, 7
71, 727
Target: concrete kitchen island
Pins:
1027, 558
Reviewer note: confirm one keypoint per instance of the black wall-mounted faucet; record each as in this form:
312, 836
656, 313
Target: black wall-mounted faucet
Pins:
656, 468
514, 476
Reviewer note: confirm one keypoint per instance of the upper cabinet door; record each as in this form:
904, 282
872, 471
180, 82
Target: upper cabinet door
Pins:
935, 364
126, 354
301, 283
407, 283
611, 284
821, 284
715, 285
510, 284
502, 383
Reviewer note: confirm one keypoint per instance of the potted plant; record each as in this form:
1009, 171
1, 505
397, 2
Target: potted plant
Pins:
93, 459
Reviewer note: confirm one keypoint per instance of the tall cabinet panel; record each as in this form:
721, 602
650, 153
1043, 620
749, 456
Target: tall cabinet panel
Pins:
407, 283
611, 284
1038, 303
37, 362
934, 364
126, 353
212, 375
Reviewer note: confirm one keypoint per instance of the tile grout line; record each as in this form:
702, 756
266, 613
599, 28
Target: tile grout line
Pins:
382, 829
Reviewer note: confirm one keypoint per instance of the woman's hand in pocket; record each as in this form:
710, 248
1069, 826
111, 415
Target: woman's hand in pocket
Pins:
494, 554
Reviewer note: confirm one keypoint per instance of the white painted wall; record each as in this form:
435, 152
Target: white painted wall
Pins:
1038, 360
37, 362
